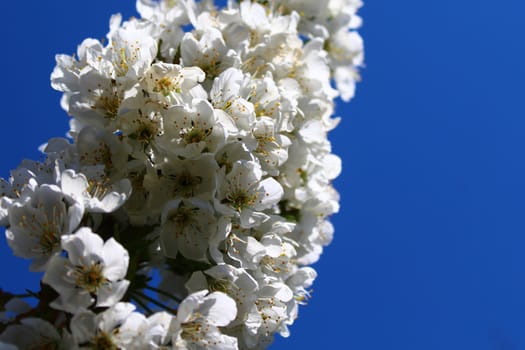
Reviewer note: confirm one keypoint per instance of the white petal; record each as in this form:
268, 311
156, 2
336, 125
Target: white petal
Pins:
332, 166
82, 244
273, 192
111, 293
83, 326
189, 304
75, 213
223, 311
115, 316
73, 184
116, 260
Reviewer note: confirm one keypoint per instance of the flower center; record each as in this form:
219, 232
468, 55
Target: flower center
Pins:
103, 341
186, 184
240, 199
195, 135
220, 285
110, 105
146, 130
47, 232
166, 85
100, 155
193, 331
98, 188
50, 238
123, 63
109, 102
90, 277
182, 217
262, 142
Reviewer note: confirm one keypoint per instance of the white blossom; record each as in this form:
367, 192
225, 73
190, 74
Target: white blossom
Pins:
191, 131
37, 224
102, 331
234, 111
93, 272
181, 178
198, 152
238, 284
199, 317
171, 81
245, 194
97, 193
34, 333
186, 227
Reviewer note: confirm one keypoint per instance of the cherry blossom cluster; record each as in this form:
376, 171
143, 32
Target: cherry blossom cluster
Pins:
195, 186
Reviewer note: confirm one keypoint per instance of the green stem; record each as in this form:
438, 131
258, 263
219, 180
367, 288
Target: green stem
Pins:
142, 304
153, 301
27, 295
163, 292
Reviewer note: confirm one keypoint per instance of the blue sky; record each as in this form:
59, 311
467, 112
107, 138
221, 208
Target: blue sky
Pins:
428, 252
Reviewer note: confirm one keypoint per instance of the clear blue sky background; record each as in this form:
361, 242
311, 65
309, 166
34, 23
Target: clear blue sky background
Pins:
429, 243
